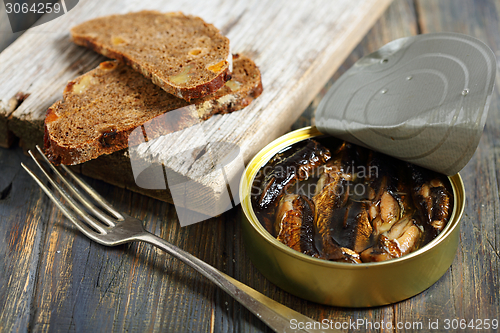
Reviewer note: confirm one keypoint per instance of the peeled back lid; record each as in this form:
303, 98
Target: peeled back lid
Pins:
422, 99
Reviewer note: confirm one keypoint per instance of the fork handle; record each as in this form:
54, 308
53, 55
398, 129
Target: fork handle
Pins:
277, 316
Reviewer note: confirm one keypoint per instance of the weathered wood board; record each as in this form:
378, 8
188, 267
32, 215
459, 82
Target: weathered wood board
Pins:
297, 46
52, 278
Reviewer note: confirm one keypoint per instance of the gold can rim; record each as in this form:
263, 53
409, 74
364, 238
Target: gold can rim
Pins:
266, 153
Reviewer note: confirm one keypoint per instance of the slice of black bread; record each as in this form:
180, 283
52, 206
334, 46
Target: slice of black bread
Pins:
182, 54
101, 108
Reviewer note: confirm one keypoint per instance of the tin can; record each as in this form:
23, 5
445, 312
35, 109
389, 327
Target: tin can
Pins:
338, 283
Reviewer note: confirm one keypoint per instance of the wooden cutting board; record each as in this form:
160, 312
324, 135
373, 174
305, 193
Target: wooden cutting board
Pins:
297, 45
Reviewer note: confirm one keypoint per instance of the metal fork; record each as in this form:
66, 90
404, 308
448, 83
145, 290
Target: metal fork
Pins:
115, 228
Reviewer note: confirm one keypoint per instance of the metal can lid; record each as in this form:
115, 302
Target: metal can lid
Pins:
423, 99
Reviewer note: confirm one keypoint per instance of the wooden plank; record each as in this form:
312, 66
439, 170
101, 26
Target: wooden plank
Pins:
296, 46
82, 286
88, 287
23, 213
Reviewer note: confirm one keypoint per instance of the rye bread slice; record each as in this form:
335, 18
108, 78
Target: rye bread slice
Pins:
101, 108
182, 54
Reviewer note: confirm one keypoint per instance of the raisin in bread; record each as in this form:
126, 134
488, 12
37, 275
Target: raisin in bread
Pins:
101, 108
182, 54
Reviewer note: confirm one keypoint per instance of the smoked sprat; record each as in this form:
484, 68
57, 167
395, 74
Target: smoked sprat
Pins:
337, 201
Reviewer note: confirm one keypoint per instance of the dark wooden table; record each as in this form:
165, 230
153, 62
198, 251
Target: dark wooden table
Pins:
52, 278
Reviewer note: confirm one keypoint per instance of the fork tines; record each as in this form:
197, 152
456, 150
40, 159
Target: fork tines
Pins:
75, 212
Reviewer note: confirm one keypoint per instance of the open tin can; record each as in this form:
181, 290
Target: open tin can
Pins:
337, 283
421, 99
